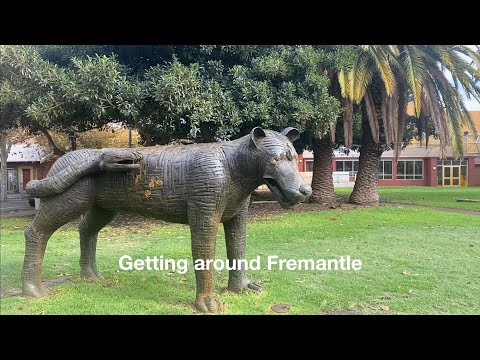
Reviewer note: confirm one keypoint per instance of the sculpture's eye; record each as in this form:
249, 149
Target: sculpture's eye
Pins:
289, 155
276, 158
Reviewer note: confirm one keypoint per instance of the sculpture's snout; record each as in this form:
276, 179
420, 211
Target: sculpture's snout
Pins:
305, 190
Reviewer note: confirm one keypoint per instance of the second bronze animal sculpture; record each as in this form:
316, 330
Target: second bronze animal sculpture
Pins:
201, 185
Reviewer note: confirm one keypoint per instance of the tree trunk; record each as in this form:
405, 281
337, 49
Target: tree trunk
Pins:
365, 191
56, 150
3, 167
322, 181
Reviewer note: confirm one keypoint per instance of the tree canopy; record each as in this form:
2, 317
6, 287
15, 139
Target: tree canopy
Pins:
213, 92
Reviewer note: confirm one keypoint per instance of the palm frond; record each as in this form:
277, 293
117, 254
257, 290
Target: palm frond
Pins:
451, 98
473, 55
372, 116
394, 50
402, 110
415, 71
432, 107
384, 69
344, 83
360, 76
390, 117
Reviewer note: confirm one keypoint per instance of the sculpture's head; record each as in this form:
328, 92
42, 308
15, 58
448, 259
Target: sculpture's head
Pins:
281, 173
120, 160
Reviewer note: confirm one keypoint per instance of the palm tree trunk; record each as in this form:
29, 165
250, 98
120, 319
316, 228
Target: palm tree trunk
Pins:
365, 191
322, 181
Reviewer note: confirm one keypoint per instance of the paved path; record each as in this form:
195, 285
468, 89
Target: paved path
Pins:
16, 206
439, 208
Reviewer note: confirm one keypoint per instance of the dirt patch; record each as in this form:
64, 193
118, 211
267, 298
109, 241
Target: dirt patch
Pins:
4, 293
344, 312
262, 205
257, 209
131, 220
267, 208
368, 310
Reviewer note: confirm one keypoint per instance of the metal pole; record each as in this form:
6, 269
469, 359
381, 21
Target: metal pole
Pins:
129, 136
73, 140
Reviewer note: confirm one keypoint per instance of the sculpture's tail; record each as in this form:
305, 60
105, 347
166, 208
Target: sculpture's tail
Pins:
80, 164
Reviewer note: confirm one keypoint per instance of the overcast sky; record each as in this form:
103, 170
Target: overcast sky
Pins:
472, 105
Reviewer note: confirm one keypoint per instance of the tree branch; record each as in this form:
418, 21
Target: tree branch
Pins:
55, 149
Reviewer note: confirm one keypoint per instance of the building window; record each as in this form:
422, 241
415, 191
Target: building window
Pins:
309, 165
347, 165
385, 170
410, 170
12, 181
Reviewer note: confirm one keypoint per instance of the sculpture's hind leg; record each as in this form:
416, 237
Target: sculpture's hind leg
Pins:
94, 220
51, 215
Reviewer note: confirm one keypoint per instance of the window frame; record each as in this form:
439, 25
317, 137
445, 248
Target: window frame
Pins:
413, 176
381, 174
352, 172
308, 161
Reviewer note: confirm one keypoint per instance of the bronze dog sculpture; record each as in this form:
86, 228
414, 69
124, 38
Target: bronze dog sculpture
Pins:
201, 185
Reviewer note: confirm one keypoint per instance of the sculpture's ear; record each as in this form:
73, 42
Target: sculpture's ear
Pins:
291, 133
257, 135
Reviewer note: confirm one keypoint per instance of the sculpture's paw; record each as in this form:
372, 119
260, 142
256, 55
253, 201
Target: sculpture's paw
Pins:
246, 284
91, 275
254, 287
32, 290
208, 303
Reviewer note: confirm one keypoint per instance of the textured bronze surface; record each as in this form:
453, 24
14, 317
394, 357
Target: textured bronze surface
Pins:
201, 185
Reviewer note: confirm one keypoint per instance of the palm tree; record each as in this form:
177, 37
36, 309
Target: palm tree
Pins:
381, 80
322, 181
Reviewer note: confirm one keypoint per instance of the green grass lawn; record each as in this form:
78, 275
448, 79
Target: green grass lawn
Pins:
426, 195
415, 261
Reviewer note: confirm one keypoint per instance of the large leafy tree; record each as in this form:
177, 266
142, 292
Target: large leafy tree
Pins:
169, 100
382, 79
182, 101
213, 92
39, 96
288, 86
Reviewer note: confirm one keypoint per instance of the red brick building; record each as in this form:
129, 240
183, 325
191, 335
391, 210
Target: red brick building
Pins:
416, 166
26, 162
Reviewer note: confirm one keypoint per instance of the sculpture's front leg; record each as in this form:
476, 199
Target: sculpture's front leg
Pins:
203, 228
235, 236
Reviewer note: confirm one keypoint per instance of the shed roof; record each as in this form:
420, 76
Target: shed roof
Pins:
26, 153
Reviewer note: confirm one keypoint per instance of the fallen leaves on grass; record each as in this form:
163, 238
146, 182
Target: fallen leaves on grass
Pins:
405, 273
385, 307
